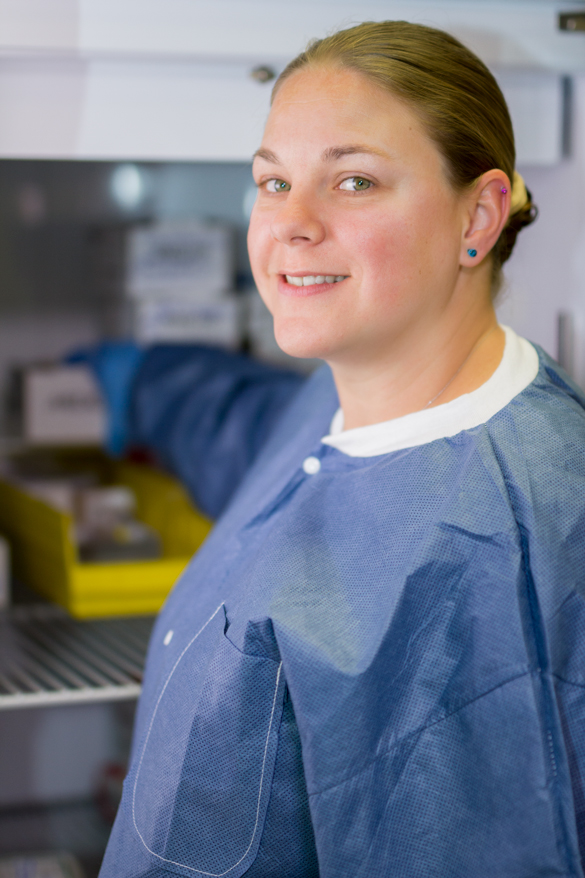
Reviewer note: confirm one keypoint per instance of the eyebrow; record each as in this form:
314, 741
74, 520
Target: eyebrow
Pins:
332, 154
338, 152
267, 155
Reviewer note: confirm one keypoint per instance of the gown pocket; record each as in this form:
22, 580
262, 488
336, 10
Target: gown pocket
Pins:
203, 778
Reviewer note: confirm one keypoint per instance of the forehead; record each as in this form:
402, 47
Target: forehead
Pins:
325, 104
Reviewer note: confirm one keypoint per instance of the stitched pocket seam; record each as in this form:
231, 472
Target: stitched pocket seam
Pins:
257, 821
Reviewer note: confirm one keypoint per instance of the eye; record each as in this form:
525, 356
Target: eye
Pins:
355, 184
276, 185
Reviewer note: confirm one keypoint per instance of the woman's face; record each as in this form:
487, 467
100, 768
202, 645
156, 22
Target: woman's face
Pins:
356, 235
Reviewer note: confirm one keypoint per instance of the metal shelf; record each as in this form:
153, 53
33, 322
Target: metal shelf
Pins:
47, 658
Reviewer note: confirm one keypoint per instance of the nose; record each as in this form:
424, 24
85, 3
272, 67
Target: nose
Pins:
297, 222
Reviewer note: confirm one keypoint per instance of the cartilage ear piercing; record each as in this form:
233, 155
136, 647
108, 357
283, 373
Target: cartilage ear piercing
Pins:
472, 253
504, 190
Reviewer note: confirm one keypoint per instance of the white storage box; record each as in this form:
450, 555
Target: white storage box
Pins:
62, 405
182, 321
187, 260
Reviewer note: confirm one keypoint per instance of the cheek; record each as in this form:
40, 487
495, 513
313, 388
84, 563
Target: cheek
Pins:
259, 251
252, 239
383, 247
399, 247
259, 240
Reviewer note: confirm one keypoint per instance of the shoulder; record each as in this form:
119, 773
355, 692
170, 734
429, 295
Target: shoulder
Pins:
547, 418
538, 439
535, 451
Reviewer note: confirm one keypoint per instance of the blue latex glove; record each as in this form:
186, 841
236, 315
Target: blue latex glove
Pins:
115, 365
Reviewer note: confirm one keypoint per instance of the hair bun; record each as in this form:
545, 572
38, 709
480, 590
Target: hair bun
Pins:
519, 194
523, 216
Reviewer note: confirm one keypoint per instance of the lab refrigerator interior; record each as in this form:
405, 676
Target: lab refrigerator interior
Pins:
68, 688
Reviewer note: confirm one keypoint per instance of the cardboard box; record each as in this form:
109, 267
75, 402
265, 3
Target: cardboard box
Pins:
62, 405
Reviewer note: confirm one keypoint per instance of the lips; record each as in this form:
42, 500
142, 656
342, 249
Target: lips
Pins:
303, 285
309, 280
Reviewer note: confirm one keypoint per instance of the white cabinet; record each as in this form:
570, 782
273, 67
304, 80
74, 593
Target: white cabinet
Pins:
504, 32
538, 104
170, 79
145, 109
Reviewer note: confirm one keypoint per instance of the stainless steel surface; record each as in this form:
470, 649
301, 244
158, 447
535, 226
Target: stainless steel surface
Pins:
48, 658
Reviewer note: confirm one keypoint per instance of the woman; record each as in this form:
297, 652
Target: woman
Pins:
372, 667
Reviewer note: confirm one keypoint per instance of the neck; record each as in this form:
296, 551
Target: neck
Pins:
425, 365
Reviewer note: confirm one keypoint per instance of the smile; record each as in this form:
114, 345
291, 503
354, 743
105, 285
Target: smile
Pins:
309, 280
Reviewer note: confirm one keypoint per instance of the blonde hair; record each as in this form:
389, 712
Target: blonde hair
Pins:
456, 97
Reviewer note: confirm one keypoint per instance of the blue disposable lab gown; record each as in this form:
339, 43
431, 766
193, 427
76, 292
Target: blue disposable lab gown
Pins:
374, 670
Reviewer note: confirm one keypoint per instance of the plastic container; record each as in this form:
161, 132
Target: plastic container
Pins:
44, 556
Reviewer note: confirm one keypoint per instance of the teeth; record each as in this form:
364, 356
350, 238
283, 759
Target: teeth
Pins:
310, 279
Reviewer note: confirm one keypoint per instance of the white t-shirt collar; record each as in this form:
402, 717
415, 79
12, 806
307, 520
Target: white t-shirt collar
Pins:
518, 368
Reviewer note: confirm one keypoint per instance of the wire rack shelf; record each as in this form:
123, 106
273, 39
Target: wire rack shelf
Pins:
47, 658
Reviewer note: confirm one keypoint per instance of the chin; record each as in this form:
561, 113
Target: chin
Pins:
298, 341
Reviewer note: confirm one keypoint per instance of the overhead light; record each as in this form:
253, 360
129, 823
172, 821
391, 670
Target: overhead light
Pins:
128, 186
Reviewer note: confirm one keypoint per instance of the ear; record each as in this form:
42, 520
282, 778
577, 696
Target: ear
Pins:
487, 211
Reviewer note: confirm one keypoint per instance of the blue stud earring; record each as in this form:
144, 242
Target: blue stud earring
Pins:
472, 253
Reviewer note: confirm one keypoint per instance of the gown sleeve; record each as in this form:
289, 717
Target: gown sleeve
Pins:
206, 414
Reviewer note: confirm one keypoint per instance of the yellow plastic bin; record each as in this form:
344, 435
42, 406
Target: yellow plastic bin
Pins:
44, 556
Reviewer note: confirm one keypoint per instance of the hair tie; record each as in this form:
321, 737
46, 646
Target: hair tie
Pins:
519, 194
